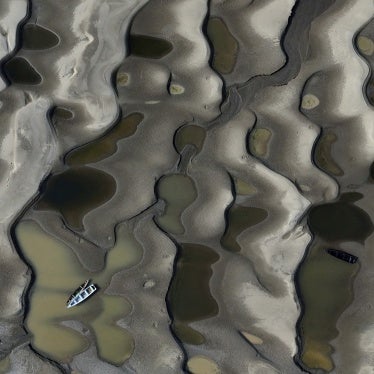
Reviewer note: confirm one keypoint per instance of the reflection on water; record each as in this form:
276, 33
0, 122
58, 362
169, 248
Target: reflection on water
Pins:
179, 192
149, 46
57, 273
19, 70
189, 296
326, 286
240, 218
225, 46
75, 192
107, 144
37, 37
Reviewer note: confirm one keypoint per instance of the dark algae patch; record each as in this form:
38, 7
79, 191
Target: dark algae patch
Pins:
240, 218
106, 145
37, 37
340, 221
19, 70
225, 46
326, 287
75, 192
189, 296
190, 134
149, 46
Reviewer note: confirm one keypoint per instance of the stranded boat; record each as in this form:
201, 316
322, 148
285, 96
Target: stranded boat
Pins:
341, 255
83, 292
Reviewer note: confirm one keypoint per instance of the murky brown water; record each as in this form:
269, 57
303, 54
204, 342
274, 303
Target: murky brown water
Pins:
340, 221
325, 281
258, 141
148, 46
326, 286
38, 37
19, 70
190, 134
189, 296
225, 45
62, 113
240, 218
178, 191
58, 272
323, 156
5, 365
202, 365
75, 192
106, 145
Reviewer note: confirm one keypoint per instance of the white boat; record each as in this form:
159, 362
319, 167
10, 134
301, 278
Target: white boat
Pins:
83, 292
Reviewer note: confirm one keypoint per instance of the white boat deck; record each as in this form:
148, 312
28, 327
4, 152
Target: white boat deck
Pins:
82, 295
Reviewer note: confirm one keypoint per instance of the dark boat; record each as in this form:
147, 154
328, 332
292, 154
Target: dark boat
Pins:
341, 255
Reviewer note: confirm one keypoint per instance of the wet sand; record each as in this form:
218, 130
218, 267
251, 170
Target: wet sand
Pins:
208, 165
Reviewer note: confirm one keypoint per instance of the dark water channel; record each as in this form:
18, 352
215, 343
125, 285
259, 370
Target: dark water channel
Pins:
149, 46
326, 277
106, 145
75, 192
189, 296
37, 37
18, 70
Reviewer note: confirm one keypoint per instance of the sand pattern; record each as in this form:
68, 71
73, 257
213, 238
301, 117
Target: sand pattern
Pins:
209, 164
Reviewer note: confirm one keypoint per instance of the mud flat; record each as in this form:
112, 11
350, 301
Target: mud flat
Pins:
209, 165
